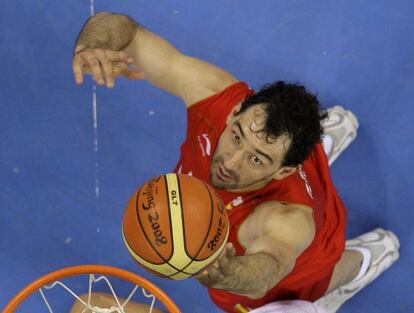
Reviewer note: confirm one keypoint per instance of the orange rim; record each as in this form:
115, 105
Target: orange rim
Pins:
91, 269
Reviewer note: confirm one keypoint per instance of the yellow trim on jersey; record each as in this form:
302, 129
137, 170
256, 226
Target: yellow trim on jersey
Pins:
240, 309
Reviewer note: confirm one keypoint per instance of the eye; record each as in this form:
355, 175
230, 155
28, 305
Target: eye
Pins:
236, 137
255, 160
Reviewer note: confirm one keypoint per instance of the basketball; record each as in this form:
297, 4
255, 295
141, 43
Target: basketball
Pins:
175, 226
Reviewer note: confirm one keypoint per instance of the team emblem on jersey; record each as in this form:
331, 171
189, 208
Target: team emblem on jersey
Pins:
204, 144
302, 175
236, 202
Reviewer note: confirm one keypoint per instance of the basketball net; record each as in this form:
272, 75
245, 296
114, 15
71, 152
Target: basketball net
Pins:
96, 273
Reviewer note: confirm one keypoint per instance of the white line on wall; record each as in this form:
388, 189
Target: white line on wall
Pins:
95, 119
95, 140
95, 124
92, 7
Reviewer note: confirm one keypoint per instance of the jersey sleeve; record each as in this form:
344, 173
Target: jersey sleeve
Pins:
217, 107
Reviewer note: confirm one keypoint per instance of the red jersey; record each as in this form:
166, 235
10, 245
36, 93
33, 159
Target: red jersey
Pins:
311, 186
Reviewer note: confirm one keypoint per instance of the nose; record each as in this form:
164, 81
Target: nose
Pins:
232, 160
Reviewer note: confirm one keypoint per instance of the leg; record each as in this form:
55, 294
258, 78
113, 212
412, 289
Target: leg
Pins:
103, 300
346, 269
340, 129
381, 250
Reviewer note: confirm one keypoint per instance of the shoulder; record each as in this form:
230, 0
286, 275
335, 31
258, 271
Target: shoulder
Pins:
275, 212
271, 208
292, 224
213, 110
229, 94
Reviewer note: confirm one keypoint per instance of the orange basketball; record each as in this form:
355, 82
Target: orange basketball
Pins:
175, 225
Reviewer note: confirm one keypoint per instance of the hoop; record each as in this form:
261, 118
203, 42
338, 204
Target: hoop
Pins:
89, 269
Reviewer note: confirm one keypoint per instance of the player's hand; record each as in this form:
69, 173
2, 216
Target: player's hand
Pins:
103, 65
221, 273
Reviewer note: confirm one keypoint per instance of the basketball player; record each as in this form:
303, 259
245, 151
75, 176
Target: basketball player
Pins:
262, 152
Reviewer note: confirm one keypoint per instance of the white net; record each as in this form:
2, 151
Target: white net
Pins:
94, 293
88, 306
91, 288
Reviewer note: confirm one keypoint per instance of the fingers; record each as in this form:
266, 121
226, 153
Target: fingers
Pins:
211, 277
224, 265
77, 65
95, 66
221, 269
225, 262
214, 273
103, 65
202, 278
107, 67
230, 250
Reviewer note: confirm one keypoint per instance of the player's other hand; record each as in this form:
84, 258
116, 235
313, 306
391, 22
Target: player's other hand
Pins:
103, 65
222, 271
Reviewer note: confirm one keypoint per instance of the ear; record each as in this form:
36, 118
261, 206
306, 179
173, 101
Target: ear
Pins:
233, 113
284, 172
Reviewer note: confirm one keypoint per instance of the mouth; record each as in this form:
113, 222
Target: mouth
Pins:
222, 174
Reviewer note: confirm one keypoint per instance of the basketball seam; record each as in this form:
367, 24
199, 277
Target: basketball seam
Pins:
146, 237
170, 219
137, 217
182, 217
207, 233
171, 226
212, 214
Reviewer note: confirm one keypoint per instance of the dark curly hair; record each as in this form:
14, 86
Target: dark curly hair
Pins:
293, 111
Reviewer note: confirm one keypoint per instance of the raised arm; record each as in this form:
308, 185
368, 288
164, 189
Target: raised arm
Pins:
109, 41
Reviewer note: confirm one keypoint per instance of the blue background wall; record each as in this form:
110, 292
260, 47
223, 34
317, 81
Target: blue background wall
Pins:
359, 54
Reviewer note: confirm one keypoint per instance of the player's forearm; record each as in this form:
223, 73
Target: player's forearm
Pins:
254, 275
107, 31
157, 58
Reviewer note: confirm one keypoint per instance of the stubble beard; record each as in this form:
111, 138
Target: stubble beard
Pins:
233, 184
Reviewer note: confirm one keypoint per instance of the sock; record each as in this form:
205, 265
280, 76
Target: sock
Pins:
366, 253
327, 144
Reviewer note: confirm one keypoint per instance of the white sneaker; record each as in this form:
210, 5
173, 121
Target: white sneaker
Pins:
384, 247
340, 129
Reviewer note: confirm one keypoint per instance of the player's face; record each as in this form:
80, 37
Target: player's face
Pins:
245, 159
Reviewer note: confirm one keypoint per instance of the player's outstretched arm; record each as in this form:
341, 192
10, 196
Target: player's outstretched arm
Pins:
110, 43
281, 234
